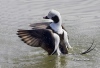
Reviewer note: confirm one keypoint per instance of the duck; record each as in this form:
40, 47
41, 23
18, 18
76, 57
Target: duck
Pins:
50, 36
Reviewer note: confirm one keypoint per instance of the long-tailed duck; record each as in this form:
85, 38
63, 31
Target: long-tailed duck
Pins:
52, 37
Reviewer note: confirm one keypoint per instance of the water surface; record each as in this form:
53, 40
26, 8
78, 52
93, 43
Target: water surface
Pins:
81, 18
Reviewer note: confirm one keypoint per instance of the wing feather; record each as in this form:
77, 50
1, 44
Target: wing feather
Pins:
38, 38
42, 25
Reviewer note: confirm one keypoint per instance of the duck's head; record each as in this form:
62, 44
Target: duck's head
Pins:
54, 15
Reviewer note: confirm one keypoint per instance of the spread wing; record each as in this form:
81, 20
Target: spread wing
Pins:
42, 25
38, 38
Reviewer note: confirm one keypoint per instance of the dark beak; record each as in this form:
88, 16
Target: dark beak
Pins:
45, 17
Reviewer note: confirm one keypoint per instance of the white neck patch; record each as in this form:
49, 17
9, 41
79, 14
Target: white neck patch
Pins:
56, 27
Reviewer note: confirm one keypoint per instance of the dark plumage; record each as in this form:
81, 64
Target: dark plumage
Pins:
47, 35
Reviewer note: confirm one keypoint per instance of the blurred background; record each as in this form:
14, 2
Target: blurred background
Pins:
81, 19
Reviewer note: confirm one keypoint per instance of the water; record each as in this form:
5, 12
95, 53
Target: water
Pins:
81, 18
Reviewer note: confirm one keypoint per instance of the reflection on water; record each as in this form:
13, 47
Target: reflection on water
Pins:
43, 62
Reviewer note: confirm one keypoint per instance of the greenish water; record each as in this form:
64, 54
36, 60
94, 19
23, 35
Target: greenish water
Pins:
81, 18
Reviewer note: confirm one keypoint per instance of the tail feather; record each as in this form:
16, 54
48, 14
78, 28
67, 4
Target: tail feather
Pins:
89, 49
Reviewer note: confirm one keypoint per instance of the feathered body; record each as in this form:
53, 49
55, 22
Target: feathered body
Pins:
52, 36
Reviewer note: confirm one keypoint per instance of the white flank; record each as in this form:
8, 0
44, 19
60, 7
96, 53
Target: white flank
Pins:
57, 40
